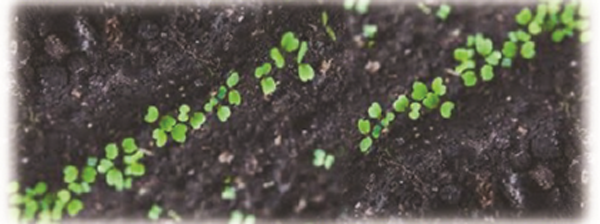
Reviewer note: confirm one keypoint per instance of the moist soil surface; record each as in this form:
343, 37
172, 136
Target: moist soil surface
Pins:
85, 76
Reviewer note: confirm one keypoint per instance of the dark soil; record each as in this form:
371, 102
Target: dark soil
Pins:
85, 76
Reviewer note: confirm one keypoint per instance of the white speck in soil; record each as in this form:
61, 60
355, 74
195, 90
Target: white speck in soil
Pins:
372, 66
301, 205
90, 125
268, 184
277, 140
142, 191
573, 63
226, 157
25, 160
407, 51
191, 172
508, 99
455, 32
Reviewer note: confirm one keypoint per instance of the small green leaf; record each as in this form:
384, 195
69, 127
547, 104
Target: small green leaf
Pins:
369, 31
262, 70
540, 13
438, 86
365, 144
487, 73
268, 85
389, 117
75, 188
277, 57
13, 187
127, 183
64, 196
167, 122
179, 133
331, 33
528, 50
151, 115
92, 161
375, 110
228, 193
470, 40
523, 36
129, 145
329, 159
401, 104
111, 151
133, 158
70, 173
558, 35
585, 36
289, 42
462, 54
160, 136
198, 119
104, 166
114, 178
469, 78
349, 4
324, 19
305, 72
31, 207
431, 101
74, 207
419, 91
446, 109
362, 6
484, 46
494, 58
135, 169
88, 174
465, 65
567, 16
223, 113
222, 92
415, 111
319, 157
236, 217
376, 131
509, 49
155, 212
506, 62
183, 112
233, 79
364, 126
534, 28
85, 187
524, 16
302, 51
209, 106
443, 11
40, 188
234, 97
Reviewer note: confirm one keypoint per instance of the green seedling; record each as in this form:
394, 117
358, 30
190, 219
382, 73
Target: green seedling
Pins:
13, 187
375, 110
369, 31
464, 66
63, 196
494, 58
415, 111
443, 12
431, 101
484, 46
104, 166
196, 121
114, 177
302, 52
133, 158
179, 132
424, 8
387, 120
528, 50
228, 193
268, 85
469, 78
167, 122
585, 36
463, 54
155, 212
262, 70
160, 137
135, 169
88, 174
129, 145
277, 57
349, 4
239, 218
151, 115
509, 49
174, 215
524, 16
183, 113
365, 144
487, 73
234, 97
506, 63
111, 151
208, 108
70, 173
534, 28
362, 6
364, 126
92, 161
438, 86
419, 91
321, 158
223, 113
376, 131
401, 104
289, 42
74, 207
233, 80
328, 29
305, 72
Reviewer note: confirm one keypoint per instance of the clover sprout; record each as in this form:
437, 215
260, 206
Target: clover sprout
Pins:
469, 78
375, 110
40, 188
183, 113
92, 161
74, 207
179, 133
306, 72
129, 145
135, 169
328, 29
464, 66
234, 97
494, 58
233, 80
509, 49
130, 159
111, 151
151, 115
522, 36
431, 101
389, 117
376, 131
167, 122
104, 166
415, 109
419, 91
13, 187
223, 113
534, 28
70, 173
31, 207
484, 46
446, 109
289, 42
302, 51
155, 212
262, 70
438, 86
585, 36
321, 158
277, 57
365, 144
443, 11
221, 92
558, 35
362, 6
114, 178
88, 174
369, 31
197, 120
228, 193
567, 16
63, 196
364, 126
540, 13
487, 73
268, 85
470, 40
524, 16
528, 50
401, 103
348, 4
160, 136
463, 54
208, 108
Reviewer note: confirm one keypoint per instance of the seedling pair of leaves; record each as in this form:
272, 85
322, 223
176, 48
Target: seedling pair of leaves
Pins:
510, 49
443, 12
238, 217
429, 99
133, 168
79, 182
37, 201
360, 6
233, 99
322, 159
476, 45
369, 33
289, 44
373, 130
562, 24
168, 124
229, 191
156, 211
328, 29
